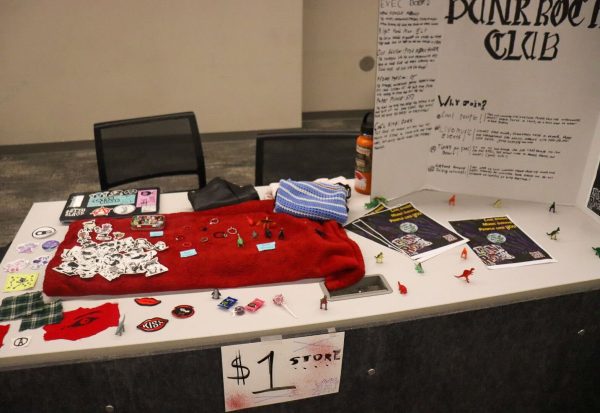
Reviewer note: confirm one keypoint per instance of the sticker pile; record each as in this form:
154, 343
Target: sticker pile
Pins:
111, 258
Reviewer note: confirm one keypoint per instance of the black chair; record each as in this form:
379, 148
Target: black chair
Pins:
304, 156
138, 149
3, 250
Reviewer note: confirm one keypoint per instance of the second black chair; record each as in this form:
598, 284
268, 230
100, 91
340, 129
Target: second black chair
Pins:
304, 156
137, 149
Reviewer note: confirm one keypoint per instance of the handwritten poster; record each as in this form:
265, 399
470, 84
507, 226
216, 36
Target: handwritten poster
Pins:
269, 372
498, 98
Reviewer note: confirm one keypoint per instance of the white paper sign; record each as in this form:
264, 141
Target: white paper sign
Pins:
269, 372
496, 98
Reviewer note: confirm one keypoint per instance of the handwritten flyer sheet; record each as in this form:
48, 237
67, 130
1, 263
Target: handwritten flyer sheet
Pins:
406, 229
500, 243
496, 98
269, 372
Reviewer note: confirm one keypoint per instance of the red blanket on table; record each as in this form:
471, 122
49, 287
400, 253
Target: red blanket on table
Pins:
309, 250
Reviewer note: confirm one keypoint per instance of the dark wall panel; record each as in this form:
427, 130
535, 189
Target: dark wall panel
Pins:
525, 357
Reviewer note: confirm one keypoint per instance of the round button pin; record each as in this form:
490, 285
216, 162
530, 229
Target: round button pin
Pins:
43, 232
124, 209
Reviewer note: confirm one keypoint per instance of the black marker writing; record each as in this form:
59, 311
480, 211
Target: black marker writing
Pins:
529, 45
270, 357
242, 372
452, 101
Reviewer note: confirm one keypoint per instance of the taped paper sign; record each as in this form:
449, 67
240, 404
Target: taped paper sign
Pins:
269, 372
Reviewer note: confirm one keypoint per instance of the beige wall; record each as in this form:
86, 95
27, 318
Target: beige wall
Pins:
337, 35
239, 65
65, 64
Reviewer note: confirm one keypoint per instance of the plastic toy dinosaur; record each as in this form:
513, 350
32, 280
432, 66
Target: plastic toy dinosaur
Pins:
554, 233
466, 274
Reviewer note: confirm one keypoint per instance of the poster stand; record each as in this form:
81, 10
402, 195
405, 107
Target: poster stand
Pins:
487, 98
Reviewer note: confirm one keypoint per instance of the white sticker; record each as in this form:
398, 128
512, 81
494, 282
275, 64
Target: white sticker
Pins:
148, 208
76, 201
20, 342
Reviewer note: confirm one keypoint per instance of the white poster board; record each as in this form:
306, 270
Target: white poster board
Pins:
496, 98
269, 372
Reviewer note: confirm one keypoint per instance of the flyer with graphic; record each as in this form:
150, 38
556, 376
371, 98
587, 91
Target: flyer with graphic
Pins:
500, 243
355, 226
410, 231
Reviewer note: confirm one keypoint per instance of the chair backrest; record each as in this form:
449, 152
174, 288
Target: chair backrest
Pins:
131, 150
3, 250
304, 156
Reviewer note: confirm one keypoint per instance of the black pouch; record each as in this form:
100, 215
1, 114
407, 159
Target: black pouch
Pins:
218, 193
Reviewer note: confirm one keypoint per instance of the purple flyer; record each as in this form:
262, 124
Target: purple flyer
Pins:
499, 242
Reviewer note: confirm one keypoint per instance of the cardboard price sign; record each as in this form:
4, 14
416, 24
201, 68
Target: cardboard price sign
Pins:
269, 372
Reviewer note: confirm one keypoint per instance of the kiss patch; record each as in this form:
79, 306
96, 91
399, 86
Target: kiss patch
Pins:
152, 324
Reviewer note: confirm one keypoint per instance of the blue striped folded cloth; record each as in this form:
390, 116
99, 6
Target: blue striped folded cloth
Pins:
314, 200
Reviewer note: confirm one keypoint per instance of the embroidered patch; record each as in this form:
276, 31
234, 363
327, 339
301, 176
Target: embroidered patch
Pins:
83, 322
152, 324
147, 301
183, 311
3, 330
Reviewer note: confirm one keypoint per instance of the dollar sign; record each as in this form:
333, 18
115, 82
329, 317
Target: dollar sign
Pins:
242, 372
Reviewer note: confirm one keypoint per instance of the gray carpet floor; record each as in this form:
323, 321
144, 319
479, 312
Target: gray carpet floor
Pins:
30, 174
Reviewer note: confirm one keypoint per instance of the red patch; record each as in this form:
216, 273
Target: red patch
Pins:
153, 324
183, 311
147, 301
83, 322
402, 288
3, 331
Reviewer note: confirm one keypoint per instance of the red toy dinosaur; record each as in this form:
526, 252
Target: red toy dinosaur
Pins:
466, 274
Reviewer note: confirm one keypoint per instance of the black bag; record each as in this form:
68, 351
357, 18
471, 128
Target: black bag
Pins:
218, 193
